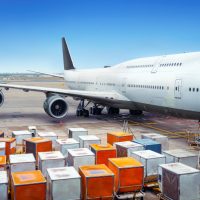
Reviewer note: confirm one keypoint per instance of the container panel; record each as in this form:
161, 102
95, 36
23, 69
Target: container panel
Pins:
190, 187
170, 185
99, 187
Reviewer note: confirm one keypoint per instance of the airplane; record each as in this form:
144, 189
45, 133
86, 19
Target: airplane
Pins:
167, 84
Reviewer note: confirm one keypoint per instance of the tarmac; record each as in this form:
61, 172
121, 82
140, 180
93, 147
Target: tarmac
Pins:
22, 109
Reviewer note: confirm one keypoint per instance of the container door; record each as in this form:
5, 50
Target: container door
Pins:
170, 185
177, 89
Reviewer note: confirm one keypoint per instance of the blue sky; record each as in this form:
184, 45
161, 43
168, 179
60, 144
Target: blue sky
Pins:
98, 32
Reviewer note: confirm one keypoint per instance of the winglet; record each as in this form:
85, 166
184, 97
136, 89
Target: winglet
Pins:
68, 64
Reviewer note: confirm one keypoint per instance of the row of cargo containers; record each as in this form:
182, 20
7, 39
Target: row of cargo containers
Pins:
177, 181
98, 181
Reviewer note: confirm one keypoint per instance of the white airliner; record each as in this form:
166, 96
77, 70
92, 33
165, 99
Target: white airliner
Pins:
167, 84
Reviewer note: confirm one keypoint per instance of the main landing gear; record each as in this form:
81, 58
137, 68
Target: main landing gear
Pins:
81, 111
113, 111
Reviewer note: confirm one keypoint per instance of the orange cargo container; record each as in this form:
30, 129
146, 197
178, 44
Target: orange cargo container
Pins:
10, 144
103, 152
118, 137
129, 174
2, 163
28, 186
37, 144
97, 182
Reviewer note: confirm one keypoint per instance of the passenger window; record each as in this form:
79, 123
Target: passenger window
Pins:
193, 89
190, 89
197, 89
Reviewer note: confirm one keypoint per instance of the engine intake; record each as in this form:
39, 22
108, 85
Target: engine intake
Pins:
1, 98
56, 106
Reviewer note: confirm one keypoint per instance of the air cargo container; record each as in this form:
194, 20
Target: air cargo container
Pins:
3, 185
79, 157
29, 185
33, 130
97, 182
124, 148
63, 145
22, 162
118, 137
129, 174
49, 135
2, 163
8, 146
76, 132
63, 183
2, 148
162, 139
182, 156
151, 160
50, 159
179, 181
20, 136
37, 144
149, 144
103, 152
86, 140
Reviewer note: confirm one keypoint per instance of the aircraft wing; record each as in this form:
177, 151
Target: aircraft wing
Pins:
89, 95
53, 75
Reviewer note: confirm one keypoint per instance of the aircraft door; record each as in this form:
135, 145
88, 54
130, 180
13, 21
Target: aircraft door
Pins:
177, 88
123, 86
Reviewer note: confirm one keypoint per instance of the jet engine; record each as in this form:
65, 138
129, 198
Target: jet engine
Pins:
1, 98
56, 106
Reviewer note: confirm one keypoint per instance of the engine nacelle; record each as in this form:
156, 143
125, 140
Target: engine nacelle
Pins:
1, 98
56, 106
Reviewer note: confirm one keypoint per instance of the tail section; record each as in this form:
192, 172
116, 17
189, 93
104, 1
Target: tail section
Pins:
68, 64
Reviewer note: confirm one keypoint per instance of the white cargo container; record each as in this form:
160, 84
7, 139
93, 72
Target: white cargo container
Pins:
2, 148
3, 185
49, 135
125, 149
63, 145
50, 159
33, 130
182, 156
79, 157
162, 139
22, 162
86, 140
63, 182
76, 132
179, 181
151, 160
20, 136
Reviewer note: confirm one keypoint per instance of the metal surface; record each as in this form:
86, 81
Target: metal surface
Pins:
149, 144
86, 140
21, 135
63, 182
151, 160
63, 145
79, 157
3, 185
76, 132
180, 182
22, 162
50, 160
182, 156
50, 135
126, 148
2, 148
162, 139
